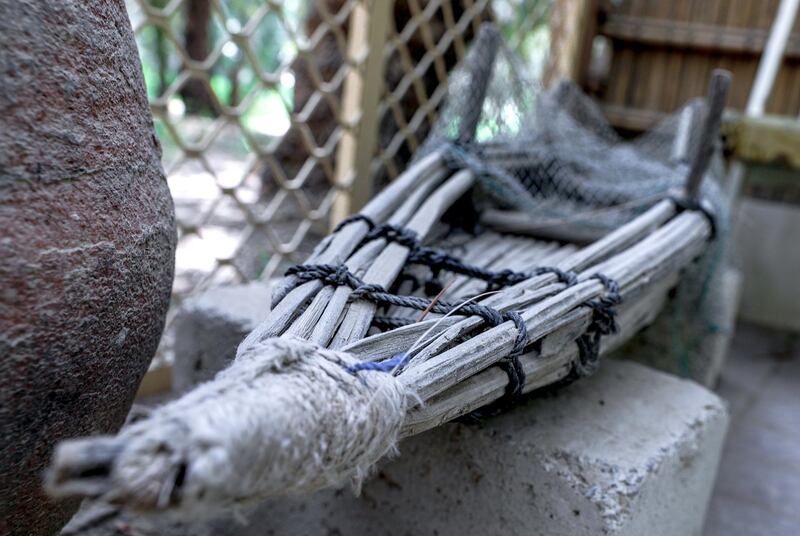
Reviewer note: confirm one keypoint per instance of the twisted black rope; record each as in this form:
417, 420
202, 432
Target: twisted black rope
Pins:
437, 260
329, 274
340, 275
391, 322
354, 218
393, 233
510, 364
684, 203
603, 309
569, 278
603, 323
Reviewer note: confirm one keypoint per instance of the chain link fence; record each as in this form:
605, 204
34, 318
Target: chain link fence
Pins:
279, 117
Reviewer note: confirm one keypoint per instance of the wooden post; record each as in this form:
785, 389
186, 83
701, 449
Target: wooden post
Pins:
573, 26
363, 86
717, 95
480, 65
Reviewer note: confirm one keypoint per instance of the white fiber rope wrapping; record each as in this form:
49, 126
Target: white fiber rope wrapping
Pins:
286, 417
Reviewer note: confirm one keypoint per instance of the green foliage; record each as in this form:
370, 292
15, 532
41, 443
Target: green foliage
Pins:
231, 77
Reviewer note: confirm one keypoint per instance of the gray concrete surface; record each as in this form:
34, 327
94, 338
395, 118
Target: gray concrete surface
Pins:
630, 451
766, 252
210, 326
758, 489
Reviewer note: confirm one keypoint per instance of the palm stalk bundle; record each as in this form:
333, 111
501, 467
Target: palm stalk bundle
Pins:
327, 385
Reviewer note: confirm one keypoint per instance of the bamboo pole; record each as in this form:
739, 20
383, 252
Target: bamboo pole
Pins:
369, 26
768, 67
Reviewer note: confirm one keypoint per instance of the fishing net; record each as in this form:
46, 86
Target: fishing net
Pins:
557, 144
551, 160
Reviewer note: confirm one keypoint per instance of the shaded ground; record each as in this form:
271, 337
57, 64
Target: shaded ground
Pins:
758, 486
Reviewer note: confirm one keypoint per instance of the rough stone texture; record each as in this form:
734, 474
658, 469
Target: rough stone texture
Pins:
766, 252
695, 352
87, 242
631, 451
210, 326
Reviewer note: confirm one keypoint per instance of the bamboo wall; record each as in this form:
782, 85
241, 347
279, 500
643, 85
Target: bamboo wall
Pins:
660, 54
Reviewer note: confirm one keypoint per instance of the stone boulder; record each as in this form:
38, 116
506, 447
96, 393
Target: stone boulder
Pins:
87, 239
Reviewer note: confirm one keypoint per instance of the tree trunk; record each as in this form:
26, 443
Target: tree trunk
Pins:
87, 241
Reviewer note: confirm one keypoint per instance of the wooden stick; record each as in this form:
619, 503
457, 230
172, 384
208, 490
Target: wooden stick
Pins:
287, 306
324, 313
717, 95
664, 251
341, 244
524, 223
388, 264
520, 295
479, 65
542, 367
516, 296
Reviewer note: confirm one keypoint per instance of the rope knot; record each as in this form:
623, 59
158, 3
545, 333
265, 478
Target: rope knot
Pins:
603, 323
569, 278
504, 278
401, 235
511, 365
684, 203
460, 155
363, 290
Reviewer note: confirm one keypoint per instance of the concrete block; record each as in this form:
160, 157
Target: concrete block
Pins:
766, 252
630, 451
210, 326
688, 345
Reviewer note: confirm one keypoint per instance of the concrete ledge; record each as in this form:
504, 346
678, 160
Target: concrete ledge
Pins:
766, 252
210, 326
630, 451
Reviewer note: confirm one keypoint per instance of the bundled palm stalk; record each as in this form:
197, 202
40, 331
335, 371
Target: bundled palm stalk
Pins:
357, 353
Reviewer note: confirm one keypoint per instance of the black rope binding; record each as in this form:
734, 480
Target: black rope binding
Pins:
393, 233
437, 260
512, 366
340, 275
603, 323
569, 278
329, 274
354, 218
683, 204
603, 308
385, 323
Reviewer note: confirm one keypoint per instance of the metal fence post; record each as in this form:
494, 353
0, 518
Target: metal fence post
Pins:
363, 86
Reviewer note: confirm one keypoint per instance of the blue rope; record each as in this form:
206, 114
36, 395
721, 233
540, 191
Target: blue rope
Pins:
396, 362
340, 275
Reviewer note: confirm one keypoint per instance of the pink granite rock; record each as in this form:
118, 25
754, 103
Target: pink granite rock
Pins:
87, 239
